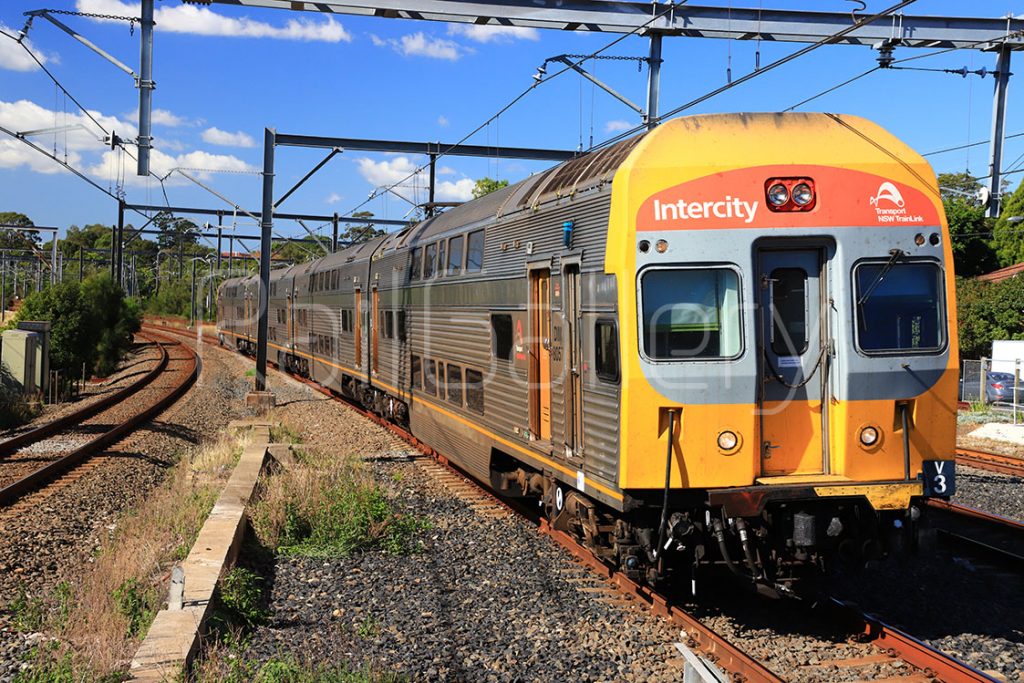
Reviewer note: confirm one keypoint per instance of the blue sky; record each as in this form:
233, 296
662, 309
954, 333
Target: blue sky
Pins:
224, 73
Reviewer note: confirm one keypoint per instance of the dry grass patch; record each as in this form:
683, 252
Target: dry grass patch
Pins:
99, 623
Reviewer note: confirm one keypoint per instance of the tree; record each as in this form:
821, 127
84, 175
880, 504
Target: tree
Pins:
969, 233
1008, 238
17, 239
354, 233
486, 185
175, 231
958, 185
91, 323
987, 311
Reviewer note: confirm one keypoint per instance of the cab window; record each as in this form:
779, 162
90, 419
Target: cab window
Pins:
690, 314
900, 308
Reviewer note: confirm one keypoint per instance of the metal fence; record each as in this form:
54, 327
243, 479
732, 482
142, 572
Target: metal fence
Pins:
996, 384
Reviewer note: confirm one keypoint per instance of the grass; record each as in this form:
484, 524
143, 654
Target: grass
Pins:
225, 665
96, 623
239, 600
319, 508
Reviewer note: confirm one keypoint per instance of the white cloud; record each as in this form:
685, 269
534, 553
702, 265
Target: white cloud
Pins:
617, 125
216, 136
198, 163
162, 117
398, 169
333, 198
85, 150
442, 121
459, 191
377, 40
14, 57
421, 45
493, 33
204, 22
24, 115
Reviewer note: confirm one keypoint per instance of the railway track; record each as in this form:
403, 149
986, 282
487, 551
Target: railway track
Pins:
41, 456
993, 462
882, 643
994, 536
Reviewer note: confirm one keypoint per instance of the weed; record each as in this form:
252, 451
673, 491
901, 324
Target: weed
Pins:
29, 613
240, 597
369, 628
250, 373
64, 596
282, 433
397, 476
136, 604
234, 669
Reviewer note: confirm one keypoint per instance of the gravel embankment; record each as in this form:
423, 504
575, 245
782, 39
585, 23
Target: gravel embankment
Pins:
1001, 494
50, 536
488, 598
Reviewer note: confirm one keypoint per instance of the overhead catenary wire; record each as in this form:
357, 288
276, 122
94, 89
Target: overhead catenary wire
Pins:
667, 8
762, 70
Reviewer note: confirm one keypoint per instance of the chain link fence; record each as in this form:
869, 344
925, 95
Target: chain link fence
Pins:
997, 385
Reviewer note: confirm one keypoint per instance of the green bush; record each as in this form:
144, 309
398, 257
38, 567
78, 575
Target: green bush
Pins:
240, 598
351, 516
136, 603
91, 323
15, 409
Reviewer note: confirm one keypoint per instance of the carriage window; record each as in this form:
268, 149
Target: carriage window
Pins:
414, 369
454, 382
475, 252
429, 261
501, 333
455, 255
346, 320
789, 311
417, 264
899, 307
606, 351
475, 390
440, 258
389, 325
691, 314
335, 279
430, 378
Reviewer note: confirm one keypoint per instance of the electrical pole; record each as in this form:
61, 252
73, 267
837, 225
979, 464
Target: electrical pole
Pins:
192, 309
267, 225
145, 86
998, 129
653, 81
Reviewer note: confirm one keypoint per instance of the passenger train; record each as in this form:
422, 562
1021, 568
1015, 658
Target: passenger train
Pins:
729, 341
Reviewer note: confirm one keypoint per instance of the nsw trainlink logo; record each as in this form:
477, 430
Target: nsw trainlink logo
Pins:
681, 210
890, 207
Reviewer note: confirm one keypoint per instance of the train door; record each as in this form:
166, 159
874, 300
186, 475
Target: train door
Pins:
358, 329
540, 354
792, 343
374, 331
289, 317
572, 360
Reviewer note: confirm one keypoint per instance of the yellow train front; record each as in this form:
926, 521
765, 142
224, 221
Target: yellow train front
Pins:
788, 331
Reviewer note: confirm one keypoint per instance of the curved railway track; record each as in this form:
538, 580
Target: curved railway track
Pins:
890, 645
993, 462
35, 458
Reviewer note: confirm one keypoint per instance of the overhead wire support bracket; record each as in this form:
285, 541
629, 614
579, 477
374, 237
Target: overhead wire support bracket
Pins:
45, 14
286, 195
575, 66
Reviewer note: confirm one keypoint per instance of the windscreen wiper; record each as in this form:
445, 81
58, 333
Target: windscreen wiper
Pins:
894, 256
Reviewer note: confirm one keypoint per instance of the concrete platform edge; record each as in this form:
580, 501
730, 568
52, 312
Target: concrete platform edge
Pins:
173, 638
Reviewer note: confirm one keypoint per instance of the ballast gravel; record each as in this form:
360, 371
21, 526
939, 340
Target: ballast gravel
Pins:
50, 536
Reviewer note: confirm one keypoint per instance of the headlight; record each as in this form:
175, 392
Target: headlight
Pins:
802, 194
778, 194
869, 436
727, 441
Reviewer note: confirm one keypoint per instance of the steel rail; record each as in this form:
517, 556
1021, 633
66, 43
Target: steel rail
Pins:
993, 462
940, 666
52, 470
992, 533
61, 423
